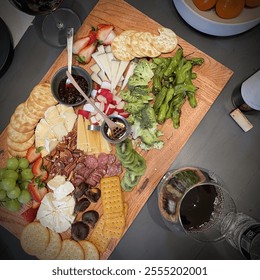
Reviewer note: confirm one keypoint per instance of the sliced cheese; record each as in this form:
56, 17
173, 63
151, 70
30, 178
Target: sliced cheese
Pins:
95, 56
95, 78
93, 138
56, 181
69, 119
101, 49
121, 70
95, 68
63, 190
102, 76
82, 142
129, 73
105, 62
50, 145
51, 113
115, 64
105, 146
108, 49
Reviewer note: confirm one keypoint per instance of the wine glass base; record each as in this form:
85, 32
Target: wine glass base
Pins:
54, 26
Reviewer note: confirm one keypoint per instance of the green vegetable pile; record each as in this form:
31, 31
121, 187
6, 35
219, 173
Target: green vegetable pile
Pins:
172, 85
133, 162
138, 98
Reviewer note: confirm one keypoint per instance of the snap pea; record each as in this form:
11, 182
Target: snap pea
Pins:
181, 72
162, 113
173, 63
190, 93
158, 75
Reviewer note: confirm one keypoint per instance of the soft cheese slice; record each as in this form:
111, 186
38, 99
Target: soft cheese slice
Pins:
51, 113
95, 56
56, 181
69, 119
95, 68
82, 142
59, 130
63, 190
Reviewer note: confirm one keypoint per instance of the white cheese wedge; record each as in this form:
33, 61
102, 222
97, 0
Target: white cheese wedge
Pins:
102, 76
105, 62
95, 78
101, 49
121, 70
105, 146
50, 144
108, 49
115, 64
129, 73
95, 68
95, 56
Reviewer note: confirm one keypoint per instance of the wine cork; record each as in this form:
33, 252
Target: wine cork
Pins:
241, 120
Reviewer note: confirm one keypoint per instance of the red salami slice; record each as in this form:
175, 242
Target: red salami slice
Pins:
91, 162
111, 159
103, 159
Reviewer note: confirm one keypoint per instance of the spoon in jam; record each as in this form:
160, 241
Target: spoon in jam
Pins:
70, 32
116, 130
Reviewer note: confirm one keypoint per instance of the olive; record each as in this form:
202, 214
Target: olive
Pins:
79, 231
81, 205
90, 217
93, 194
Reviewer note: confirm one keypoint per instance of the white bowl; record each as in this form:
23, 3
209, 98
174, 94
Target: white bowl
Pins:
208, 22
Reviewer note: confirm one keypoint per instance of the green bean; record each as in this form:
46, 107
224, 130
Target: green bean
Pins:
173, 63
159, 99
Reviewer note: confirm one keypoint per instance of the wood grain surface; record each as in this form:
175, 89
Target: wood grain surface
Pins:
212, 77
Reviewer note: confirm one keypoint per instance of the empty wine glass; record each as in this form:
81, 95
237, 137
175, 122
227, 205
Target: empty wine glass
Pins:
56, 21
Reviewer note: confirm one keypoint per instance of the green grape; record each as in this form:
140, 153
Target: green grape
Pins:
2, 195
7, 184
2, 170
23, 163
14, 193
12, 163
27, 174
24, 185
12, 205
11, 174
24, 197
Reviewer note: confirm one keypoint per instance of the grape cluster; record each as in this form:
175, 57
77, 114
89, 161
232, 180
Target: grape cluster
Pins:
14, 181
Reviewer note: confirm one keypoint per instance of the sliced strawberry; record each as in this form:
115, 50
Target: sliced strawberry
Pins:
103, 32
30, 214
35, 204
37, 192
80, 44
92, 36
84, 55
33, 154
38, 170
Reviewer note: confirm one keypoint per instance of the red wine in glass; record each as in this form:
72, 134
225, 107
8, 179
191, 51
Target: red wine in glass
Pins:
55, 23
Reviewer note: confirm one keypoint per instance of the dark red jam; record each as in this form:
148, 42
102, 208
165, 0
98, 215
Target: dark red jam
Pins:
68, 93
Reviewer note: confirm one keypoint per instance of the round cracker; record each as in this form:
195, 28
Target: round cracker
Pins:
53, 248
145, 45
35, 238
135, 44
120, 48
20, 121
35, 109
90, 250
20, 147
70, 250
17, 136
13, 153
167, 40
41, 93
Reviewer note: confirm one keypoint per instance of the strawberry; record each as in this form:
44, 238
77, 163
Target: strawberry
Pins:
109, 39
80, 44
84, 55
33, 154
30, 214
103, 32
92, 36
35, 204
37, 191
38, 170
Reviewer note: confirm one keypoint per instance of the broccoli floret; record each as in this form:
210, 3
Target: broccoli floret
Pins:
136, 81
148, 138
143, 70
148, 118
141, 90
131, 119
158, 145
134, 107
129, 96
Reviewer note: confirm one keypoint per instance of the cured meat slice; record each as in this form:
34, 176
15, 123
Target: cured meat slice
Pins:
113, 170
103, 159
91, 162
111, 158
84, 172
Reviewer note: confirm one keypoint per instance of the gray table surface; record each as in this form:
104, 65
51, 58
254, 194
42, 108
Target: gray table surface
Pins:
217, 144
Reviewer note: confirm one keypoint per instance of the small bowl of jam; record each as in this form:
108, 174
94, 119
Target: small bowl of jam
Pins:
66, 93
119, 120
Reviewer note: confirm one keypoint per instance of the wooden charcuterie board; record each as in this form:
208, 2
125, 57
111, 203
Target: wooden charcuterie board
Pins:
212, 77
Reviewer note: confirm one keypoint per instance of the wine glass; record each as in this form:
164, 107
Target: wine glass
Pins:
193, 201
56, 21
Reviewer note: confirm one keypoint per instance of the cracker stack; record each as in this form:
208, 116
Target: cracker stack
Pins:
20, 131
131, 43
